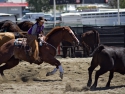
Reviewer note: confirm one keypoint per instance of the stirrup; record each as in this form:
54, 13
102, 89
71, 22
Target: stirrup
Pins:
27, 47
40, 43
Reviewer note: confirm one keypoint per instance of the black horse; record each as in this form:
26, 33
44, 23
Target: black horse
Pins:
65, 46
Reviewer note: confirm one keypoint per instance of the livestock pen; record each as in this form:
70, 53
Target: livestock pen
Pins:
109, 35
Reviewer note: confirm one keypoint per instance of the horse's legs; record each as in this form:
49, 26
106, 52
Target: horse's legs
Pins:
9, 64
51, 60
92, 49
98, 73
72, 52
110, 78
90, 71
88, 50
84, 51
64, 50
104, 67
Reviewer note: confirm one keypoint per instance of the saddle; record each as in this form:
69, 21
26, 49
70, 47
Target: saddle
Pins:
22, 43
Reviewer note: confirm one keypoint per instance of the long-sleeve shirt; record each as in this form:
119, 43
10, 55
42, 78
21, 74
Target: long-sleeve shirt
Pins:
36, 29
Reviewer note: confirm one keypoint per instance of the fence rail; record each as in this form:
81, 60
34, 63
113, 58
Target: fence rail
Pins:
109, 35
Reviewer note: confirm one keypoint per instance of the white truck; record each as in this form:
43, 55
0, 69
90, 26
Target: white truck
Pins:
31, 16
5, 16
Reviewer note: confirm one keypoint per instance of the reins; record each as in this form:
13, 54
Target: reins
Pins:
50, 45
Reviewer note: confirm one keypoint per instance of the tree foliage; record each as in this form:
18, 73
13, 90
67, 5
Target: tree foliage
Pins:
60, 7
42, 6
39, 5
122, 3
113, 3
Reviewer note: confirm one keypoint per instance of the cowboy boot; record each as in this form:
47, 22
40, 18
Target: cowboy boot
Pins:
37, 52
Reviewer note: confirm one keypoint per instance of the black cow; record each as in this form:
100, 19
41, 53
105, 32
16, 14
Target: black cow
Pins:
110, 59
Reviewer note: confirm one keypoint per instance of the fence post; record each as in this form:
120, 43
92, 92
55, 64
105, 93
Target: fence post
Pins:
124, 36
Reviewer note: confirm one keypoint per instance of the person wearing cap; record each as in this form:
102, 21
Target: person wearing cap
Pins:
32, 37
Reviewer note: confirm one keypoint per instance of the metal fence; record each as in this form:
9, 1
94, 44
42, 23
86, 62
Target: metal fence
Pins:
109, 35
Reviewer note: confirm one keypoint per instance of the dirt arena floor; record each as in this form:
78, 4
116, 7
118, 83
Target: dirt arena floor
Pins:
28, 78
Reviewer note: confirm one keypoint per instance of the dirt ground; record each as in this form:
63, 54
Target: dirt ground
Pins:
28, 78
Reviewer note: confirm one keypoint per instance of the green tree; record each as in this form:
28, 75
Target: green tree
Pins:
113, 3
60, 8
39, 5
122, 3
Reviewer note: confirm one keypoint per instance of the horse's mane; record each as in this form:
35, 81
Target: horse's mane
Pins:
54, 30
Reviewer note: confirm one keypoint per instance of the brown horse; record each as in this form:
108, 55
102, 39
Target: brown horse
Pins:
2, 22
4, 37
11, 27
90, 40
25, 25
11, 54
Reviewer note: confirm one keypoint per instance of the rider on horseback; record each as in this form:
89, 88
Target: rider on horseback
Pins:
32, 37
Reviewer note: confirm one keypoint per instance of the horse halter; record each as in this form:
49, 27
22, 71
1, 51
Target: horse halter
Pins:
73, 35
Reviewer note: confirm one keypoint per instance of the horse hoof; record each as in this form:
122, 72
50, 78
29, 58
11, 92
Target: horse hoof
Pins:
4, 78
48, 74
92, 88
61, 75
89, 83
107, 85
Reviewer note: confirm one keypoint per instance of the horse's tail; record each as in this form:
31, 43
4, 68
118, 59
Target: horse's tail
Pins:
97, 50
97, 40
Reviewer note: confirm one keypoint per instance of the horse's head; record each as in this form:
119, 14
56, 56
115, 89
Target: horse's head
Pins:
76, 34
6, 26
69, 35
11, 27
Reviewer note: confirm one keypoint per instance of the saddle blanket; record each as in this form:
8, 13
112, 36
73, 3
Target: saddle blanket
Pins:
23, 42
20, 41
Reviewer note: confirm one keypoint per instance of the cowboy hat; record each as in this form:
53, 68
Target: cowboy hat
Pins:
41, 19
